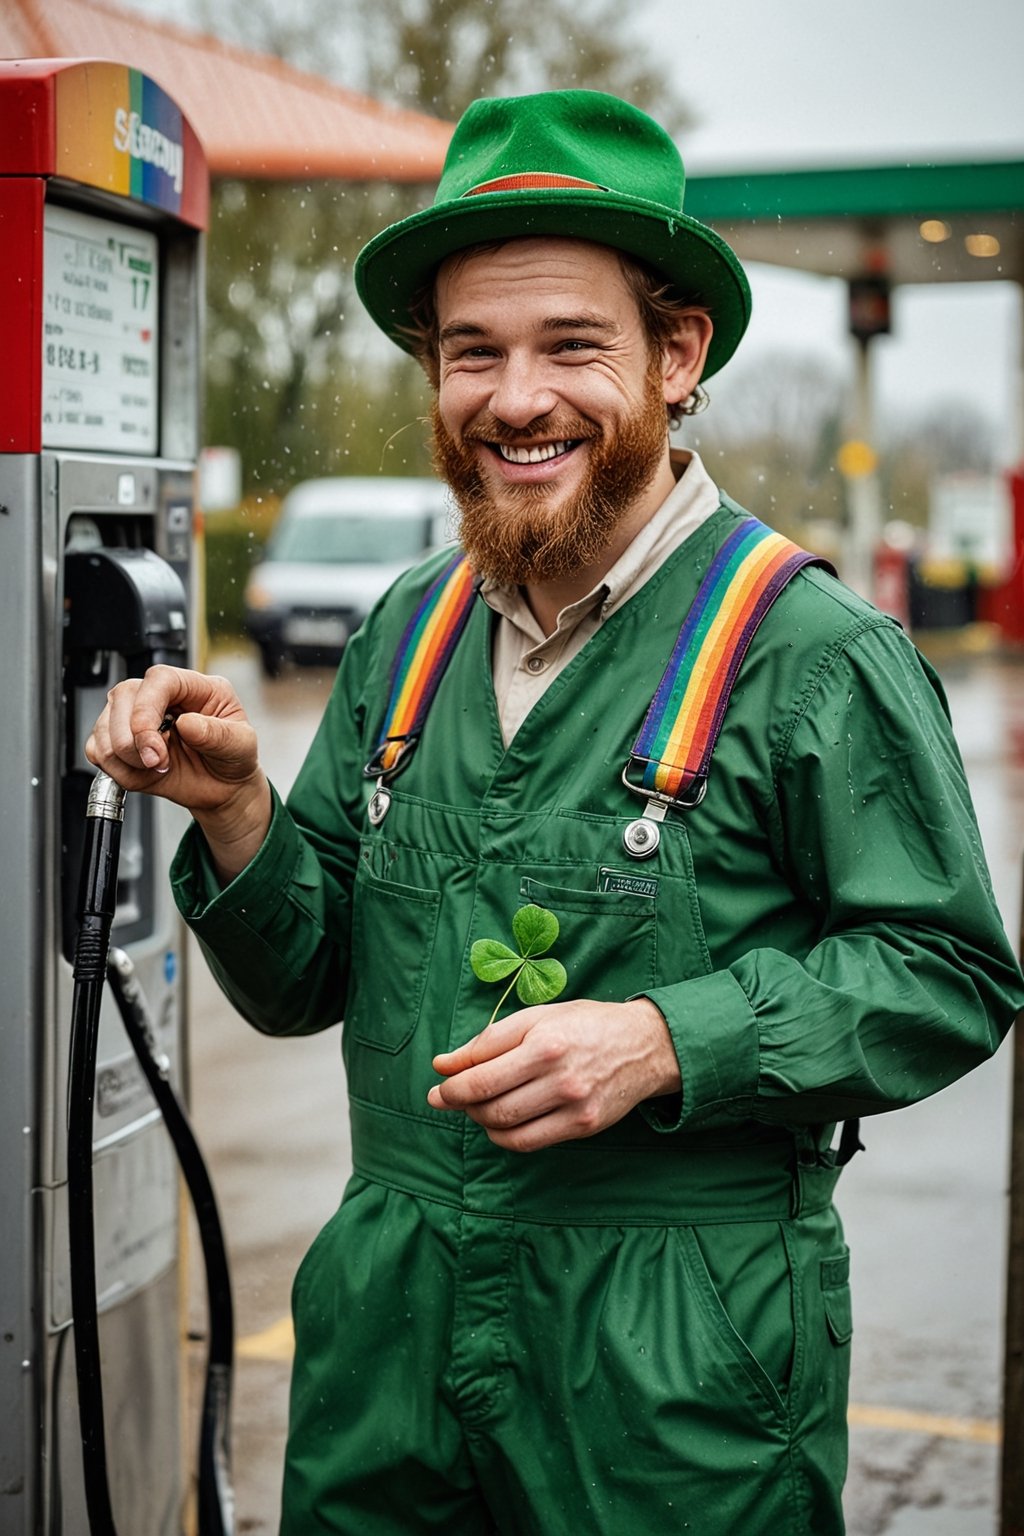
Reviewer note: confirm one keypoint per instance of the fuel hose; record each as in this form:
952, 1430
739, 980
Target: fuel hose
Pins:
94, 963
216, 1496
97, 898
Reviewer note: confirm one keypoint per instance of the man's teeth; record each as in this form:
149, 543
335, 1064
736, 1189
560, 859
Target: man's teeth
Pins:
532, 455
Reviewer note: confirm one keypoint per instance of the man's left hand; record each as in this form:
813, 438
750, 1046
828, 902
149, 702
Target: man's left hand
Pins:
558, 1072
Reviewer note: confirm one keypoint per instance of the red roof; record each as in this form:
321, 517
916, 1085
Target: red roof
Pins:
255, 116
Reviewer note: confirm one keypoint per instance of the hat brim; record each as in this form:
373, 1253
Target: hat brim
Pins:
399, 261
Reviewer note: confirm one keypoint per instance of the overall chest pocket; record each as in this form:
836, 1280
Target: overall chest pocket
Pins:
393, 931
607, 940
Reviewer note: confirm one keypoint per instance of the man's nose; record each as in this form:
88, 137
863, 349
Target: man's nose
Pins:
521, 393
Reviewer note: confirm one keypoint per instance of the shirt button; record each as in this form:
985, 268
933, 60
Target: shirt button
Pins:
536, 664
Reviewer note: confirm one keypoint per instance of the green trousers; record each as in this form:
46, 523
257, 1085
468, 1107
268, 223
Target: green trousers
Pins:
568, 1360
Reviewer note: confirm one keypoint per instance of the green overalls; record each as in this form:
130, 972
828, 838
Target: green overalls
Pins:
647, 1331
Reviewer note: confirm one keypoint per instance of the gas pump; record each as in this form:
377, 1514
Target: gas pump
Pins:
103, 199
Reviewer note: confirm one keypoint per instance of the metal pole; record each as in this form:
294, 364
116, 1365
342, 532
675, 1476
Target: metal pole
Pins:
1012, 1484
863, 493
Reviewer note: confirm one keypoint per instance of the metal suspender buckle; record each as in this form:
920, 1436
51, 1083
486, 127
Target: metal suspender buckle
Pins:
383, 766
642, 837
386, 761
685, 716
698, 788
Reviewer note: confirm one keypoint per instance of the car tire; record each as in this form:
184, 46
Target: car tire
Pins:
271, 660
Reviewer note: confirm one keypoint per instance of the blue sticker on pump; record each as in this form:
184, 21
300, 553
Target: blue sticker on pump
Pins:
170, 967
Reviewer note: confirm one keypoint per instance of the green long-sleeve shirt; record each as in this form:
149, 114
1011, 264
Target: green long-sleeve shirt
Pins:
820, 933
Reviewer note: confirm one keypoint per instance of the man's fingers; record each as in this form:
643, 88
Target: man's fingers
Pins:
152, 750
180, 734
112, 743
475, 1085
493, 1041
577, 1067
543, 1131
232, 743
178, 691
502, 1111
136, 709
503, 1057
521, 1063
139, 709
526, 1123
128, 775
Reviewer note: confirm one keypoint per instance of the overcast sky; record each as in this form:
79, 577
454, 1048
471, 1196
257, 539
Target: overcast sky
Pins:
777, 83
786, 82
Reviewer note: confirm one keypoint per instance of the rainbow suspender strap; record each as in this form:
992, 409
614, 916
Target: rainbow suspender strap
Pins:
673, 752
421, 659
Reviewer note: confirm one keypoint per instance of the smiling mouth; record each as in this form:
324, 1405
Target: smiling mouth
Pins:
539, 454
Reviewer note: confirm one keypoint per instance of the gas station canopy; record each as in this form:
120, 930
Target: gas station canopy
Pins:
926, 223
255, 116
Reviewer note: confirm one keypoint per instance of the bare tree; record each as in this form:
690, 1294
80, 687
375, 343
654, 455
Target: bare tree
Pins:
941, 440
439, 55
771, 434
297, 379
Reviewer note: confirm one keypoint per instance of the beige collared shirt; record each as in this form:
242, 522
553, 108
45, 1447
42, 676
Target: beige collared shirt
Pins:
525, 661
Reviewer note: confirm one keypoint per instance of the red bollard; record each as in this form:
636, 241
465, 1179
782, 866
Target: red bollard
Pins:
892, 582
1004, 604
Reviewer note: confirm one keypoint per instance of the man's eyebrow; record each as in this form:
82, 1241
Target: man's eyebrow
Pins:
587, 321
461, 330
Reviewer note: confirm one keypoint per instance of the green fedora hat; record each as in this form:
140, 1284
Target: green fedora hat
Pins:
578, 163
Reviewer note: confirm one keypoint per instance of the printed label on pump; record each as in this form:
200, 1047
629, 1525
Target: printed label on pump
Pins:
100, 345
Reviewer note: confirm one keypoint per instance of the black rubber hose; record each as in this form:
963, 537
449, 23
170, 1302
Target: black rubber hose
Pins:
95, 962
216, 1496
96, 903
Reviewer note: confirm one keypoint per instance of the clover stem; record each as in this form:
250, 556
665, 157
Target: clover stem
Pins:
508, 989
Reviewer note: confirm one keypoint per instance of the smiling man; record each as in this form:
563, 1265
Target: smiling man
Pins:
551, 409
587, 1275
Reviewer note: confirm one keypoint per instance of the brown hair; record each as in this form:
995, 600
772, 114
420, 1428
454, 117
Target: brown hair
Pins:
659, 302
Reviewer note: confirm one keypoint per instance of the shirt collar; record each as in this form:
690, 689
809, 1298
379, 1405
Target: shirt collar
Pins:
693, 498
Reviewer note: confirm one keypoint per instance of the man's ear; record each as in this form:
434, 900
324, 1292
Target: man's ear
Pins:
684, 355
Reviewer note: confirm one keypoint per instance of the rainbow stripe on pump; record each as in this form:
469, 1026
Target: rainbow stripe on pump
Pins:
424, 652
678, 736
120, 131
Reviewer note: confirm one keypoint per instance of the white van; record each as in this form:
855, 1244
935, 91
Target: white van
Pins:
337, 546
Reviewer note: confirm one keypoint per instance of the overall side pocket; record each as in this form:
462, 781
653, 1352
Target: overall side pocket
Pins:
751, 1321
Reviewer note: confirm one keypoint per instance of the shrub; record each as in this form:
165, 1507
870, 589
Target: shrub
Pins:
234, 542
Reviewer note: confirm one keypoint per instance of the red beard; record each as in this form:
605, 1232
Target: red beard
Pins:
525, 533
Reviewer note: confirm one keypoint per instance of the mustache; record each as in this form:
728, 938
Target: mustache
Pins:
491, 429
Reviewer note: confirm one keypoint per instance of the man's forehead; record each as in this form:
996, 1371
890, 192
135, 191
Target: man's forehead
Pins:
546, 263
531, 249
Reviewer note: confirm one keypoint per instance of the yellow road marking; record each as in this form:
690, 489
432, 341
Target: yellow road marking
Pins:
278, 1343
275, 1343
943, 1426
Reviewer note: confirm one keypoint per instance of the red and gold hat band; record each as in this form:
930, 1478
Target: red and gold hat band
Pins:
533, 181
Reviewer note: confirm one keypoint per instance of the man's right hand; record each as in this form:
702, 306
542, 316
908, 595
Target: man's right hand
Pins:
207, 760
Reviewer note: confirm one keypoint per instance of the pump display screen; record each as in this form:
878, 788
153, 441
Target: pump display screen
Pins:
100, 311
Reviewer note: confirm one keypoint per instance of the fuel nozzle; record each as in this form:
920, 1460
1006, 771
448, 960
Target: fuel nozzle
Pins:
125, 600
